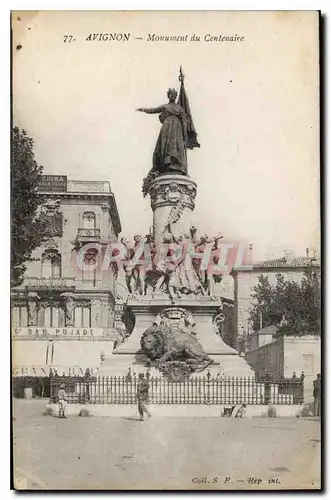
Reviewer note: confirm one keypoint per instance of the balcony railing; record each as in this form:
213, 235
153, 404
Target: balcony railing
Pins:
50, 283
88, 235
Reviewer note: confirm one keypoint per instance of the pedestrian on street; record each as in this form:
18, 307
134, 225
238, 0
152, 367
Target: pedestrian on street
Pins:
62, 395
317, 396
142, 396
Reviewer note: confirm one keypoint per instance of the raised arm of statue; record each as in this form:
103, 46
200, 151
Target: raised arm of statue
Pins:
159, 109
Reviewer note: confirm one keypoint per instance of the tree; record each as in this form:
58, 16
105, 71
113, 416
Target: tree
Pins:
28, 230
264, 304
294, 307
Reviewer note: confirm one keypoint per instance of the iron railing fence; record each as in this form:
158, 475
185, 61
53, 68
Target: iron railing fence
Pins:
222, 390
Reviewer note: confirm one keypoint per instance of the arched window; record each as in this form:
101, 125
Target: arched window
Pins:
82, 316
51, 317
89, 220
51, 264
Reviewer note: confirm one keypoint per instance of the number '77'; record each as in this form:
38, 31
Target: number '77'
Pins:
68, 38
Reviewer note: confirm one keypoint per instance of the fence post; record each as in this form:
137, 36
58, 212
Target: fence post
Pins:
302, 388
267, 389
295, 386
50, 385
87, 385
208, 387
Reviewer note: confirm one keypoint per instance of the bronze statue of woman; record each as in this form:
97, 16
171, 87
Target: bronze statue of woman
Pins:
177, 134
170, 150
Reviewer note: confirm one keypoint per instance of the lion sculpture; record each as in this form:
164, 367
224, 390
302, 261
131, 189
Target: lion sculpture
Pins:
162, 343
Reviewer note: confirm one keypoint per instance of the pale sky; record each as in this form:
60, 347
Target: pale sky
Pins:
254, 105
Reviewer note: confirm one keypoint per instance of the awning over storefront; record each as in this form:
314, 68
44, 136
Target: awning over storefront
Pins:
36, 357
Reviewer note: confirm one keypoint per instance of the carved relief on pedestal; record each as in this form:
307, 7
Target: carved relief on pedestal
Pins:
32, 304
173, 192
123, 321
170, 193
218, 320
176, 318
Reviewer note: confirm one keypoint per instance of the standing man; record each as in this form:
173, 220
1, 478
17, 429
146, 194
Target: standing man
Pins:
317, 396
142, 396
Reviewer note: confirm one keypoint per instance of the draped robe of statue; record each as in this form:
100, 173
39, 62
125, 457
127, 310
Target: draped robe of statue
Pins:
177, 134
170, 149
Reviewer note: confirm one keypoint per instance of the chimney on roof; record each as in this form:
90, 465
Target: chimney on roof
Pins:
311, 254
313, 258
250, 254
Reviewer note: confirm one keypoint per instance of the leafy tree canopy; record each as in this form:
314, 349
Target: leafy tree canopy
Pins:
295, 307
28, 230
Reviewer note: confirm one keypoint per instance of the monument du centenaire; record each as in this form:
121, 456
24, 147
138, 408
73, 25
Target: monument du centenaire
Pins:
176, 313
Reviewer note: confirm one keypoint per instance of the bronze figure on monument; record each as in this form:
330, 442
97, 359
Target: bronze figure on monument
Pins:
171, 341
177, 134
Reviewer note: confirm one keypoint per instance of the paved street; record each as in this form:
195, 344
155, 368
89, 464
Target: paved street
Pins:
163, 453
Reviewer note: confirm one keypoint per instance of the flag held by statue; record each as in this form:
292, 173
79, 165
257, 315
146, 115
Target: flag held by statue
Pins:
192, 140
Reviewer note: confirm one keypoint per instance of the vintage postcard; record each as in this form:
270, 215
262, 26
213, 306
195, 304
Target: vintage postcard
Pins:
165, 258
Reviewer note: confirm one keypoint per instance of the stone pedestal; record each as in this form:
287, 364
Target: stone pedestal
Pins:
172, 193
126, 355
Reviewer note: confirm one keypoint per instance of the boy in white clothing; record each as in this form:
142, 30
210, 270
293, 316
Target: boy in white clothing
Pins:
62, 401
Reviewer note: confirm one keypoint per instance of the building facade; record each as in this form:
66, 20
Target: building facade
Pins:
283, 356
260, 338
63, 313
